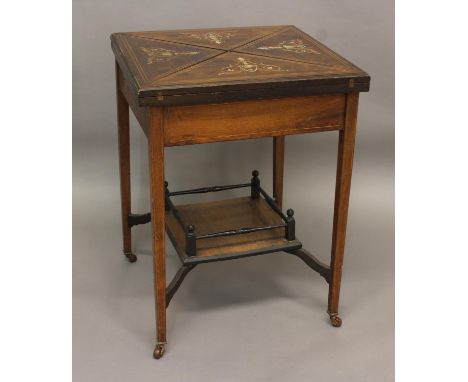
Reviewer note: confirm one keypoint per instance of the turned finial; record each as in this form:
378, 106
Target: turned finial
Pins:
190, 241
290, 225
254, 185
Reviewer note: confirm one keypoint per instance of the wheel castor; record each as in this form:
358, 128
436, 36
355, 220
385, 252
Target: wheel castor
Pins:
131, 257
159, 351
335, 320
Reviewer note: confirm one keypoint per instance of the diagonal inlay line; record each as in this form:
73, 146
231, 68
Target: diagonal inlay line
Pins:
176, 69
257, 39
342, 64
304, 36
171, 40
223, 51
176, 42
135, 60
186, 67
318, 64
308, 70
326, 49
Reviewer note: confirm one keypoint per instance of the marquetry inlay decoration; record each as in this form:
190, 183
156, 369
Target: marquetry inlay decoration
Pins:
243, 65
202, 66
296, 46
213, 37
161, 54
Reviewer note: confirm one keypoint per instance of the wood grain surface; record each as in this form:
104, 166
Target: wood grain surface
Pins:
342, 191
252, 119
224, 215
156, 164
130, 97
171, 67
198, 86
123, 129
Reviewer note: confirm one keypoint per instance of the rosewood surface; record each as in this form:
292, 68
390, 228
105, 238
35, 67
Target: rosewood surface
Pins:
225, 64
198, 86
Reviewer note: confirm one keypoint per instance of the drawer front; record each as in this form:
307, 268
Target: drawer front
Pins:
185, 125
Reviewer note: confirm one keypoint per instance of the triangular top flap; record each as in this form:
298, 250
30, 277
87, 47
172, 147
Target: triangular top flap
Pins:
219, 38
293, 44
231, 63
234, 67
152, 59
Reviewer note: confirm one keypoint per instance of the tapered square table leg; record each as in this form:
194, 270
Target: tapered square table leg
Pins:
156, 163
343, 184
123, 124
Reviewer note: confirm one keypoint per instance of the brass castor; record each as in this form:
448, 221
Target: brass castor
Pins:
131, 257
335, 320
159, 351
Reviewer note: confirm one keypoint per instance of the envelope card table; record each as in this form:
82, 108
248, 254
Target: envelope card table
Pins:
197, 86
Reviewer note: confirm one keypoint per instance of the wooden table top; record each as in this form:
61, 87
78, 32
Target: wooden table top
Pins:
227, 64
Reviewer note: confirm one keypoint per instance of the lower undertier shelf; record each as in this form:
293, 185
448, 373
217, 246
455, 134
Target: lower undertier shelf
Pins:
224, 215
